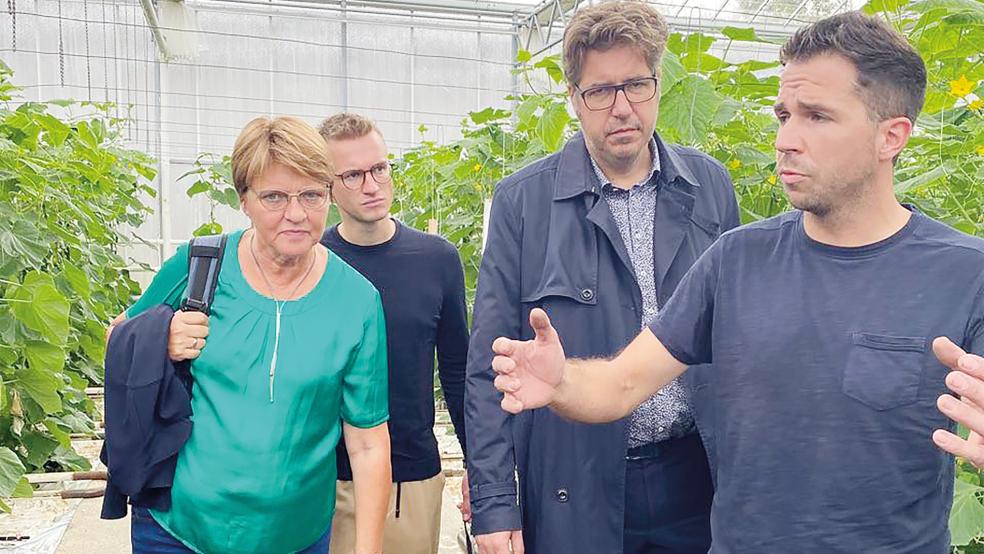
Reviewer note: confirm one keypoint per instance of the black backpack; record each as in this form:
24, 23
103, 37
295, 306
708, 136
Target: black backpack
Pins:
204, 262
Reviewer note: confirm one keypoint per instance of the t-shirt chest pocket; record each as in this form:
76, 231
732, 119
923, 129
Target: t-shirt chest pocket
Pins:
884, 371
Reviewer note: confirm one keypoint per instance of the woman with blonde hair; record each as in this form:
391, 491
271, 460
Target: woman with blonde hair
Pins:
292, 356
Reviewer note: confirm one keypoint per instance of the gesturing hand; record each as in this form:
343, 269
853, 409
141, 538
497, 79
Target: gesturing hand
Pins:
967, 380
529, 371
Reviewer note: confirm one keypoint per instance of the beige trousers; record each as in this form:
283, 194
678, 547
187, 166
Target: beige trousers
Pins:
412, 527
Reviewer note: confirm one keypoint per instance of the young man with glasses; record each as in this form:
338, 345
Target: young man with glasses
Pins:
421, 282
598, 234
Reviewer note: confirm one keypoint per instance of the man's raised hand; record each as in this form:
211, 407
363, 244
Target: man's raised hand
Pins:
531, 371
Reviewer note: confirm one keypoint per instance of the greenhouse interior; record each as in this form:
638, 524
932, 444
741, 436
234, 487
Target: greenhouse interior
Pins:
118, 123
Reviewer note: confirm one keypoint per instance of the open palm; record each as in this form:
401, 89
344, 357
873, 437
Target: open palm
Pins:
529, 371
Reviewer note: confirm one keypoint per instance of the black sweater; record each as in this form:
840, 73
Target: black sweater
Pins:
421, 283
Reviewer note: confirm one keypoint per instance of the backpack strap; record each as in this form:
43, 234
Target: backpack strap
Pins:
204, 262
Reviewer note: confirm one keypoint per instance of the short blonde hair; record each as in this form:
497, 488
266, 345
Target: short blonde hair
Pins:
614, 23
345, 125
285, 140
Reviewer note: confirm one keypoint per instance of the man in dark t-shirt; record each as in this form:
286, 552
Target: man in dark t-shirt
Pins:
822, 325
421, 283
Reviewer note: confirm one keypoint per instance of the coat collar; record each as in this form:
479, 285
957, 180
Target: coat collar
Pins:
575, 175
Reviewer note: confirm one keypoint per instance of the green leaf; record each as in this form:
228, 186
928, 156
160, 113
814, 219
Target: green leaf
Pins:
488, 114
702, 62
40, 307
93, 347
552, 124
198, 187
44, 356
697, 43
230, 198
41, 386
746, 34
883, 6
726, 112
921, 179
39, 447
70, 460
63, 437
27, 129
749, 155
77, 279
672, 72
757, 65
145, 171
523, 56
86, 134
967, 514
553, 68
525, 113
9, 333
937, 101
23, 489
11, 471
675, 44
211, 228
21, 243
55, 132
689, 109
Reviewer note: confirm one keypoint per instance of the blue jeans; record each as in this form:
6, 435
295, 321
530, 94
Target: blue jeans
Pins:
148, 537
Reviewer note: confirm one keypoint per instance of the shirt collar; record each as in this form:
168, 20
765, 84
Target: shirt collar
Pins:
653, 169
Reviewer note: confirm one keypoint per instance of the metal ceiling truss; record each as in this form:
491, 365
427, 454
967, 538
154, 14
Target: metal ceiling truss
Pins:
538, 28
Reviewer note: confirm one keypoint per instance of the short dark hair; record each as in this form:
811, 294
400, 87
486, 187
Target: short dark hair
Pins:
891, 75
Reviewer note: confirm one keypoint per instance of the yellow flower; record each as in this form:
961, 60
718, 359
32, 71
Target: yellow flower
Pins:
980, 149
976, 104
961, 87
734, 164
772, 179
477, 168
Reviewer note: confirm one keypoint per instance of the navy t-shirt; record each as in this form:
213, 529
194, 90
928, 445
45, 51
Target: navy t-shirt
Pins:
422, 286
821, 406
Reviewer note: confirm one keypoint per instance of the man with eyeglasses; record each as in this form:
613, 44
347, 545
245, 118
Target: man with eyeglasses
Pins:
421, 283
599, 235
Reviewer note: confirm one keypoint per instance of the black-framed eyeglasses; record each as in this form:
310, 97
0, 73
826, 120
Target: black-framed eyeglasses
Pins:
277, 200
602, 98
354, 179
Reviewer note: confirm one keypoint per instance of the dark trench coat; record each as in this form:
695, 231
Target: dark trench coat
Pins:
552, 243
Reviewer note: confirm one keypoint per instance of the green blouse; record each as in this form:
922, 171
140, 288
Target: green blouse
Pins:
255, 475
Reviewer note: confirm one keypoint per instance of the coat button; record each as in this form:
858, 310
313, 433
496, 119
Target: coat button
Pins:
562, 495
587, 294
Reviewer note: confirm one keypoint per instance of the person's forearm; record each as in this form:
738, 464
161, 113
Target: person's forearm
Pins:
372, 479
592, 391
599, 391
